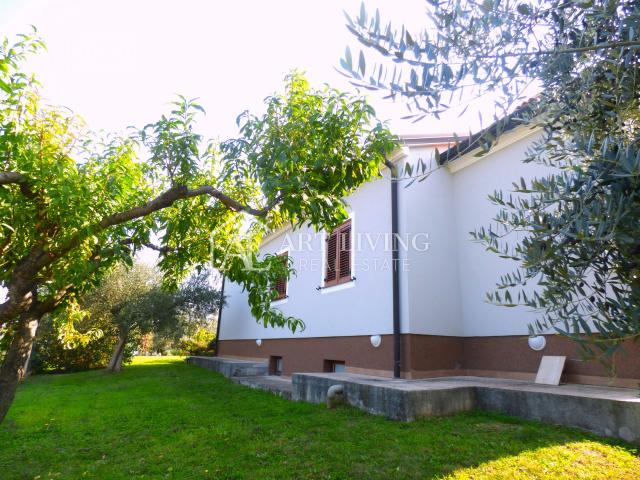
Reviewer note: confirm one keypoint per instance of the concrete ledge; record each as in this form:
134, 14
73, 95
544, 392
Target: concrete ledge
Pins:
607, 411
230, 367
381, 396
271, 383
603, 416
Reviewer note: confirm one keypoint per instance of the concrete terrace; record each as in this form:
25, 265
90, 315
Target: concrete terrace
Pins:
607, 411
250, 374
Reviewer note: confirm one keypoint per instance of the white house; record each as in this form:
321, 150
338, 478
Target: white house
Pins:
434, 321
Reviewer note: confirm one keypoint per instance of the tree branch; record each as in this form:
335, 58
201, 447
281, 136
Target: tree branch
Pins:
181, 192
38, 258
370, 40
8, 178
161, 202
149, 245
159, 248
11, 177
560, 51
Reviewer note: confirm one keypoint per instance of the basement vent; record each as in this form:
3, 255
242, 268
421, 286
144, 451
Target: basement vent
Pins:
335, 366
275, 365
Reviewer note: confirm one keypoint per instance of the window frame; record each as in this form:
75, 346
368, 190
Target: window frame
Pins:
276, 361
341, 247
333, 366
285, 294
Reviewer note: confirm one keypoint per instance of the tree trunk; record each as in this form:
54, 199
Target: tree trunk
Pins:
115, 364
27, 362
14, 366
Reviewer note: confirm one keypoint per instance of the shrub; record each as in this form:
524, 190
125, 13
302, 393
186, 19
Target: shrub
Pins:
198, 344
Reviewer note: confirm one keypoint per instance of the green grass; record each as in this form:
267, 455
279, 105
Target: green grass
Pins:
161, 418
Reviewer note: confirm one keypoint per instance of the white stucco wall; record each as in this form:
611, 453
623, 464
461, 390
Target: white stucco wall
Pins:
362, 307
479, 270
429, 283
442, 289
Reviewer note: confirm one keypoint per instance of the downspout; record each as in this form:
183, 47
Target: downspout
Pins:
395, 259
219, 316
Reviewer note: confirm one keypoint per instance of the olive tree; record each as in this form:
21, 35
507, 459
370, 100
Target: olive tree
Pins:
74, 204
136, 304
582, 221
110, 322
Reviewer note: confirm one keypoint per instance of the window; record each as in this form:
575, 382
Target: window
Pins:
280, 287
335, 366
338, 256
275, 365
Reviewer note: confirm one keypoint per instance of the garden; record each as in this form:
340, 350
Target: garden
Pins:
162, 418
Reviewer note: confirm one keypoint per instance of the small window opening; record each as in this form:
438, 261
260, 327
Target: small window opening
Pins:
335, 366
275, 366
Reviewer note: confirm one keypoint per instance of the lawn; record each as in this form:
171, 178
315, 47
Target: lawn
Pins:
162, 418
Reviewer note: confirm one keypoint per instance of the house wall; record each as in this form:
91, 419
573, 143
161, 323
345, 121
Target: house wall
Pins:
361, 307
429, 280
309, 354
447, 326
478, 269
444, 288
426, 356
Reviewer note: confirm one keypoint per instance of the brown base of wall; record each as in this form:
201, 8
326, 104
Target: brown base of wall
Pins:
425, 356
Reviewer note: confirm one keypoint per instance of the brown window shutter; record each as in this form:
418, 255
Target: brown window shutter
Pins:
338, 260
344, 259
280, 286
331, 274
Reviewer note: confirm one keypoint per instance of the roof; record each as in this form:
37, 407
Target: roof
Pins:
429, 139
486, 138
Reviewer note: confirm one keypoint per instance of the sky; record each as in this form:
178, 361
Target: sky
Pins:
118, 63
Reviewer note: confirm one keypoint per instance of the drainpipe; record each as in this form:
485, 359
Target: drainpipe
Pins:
219, 316
395, 259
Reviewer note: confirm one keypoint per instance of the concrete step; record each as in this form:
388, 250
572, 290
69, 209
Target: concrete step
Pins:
271, 383
608, 411
230, 367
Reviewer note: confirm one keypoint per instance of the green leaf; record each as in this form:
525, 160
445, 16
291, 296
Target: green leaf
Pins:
361, 63
348, 60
